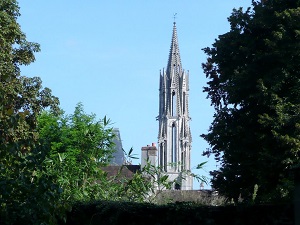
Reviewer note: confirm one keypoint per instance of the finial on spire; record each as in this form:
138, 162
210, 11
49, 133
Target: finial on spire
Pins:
175, 17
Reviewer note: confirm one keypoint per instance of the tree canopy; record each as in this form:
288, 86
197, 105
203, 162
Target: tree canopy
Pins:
254, 86
23, 193
79, 145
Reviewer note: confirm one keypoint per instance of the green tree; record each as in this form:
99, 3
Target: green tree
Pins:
254, 85
80, 145
80, 148
24, 196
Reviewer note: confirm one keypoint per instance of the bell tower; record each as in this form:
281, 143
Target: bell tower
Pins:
174, 135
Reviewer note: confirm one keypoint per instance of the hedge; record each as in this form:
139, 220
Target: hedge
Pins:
127, 213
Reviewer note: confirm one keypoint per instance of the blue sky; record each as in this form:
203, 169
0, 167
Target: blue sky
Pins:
108, 54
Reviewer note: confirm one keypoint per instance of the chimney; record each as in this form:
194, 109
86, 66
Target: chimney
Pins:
149, 155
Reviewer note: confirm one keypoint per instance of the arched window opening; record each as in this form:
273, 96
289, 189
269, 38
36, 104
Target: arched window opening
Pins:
177, 186
174, 144
174, 103
161, 153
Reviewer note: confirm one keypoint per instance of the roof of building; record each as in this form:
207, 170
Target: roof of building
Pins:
124, 171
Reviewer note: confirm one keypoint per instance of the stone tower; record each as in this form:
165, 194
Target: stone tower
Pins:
118, 157
174, 136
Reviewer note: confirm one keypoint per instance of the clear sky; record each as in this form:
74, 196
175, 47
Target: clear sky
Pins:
108, 55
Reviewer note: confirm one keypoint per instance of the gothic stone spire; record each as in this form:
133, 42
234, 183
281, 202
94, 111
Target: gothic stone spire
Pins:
174, 55
174, 138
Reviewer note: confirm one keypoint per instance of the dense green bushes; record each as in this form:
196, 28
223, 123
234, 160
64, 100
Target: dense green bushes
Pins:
125, 213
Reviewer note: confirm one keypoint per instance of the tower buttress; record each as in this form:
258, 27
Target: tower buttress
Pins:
174, 136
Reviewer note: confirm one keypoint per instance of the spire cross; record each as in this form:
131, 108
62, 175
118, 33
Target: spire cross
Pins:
175, 17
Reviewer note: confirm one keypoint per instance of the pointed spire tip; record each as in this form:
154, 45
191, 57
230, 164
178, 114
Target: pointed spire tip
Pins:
174, 18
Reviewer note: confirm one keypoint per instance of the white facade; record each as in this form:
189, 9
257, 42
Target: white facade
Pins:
174, 136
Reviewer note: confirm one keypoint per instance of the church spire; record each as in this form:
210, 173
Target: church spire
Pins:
174, 55
174, 138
